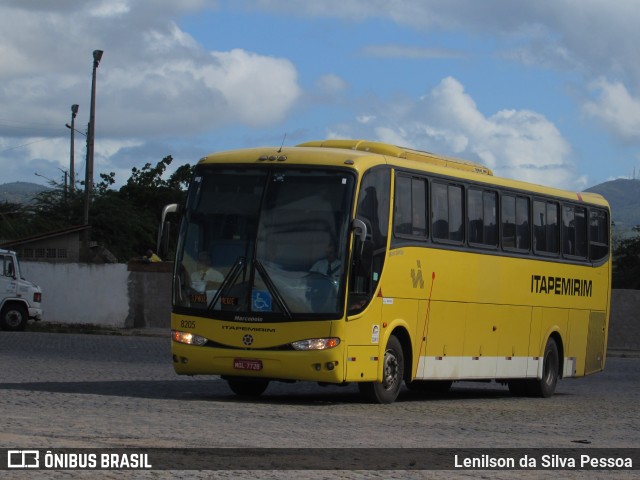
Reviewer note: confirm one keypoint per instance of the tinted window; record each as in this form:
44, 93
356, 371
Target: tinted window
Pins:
410, 207
598, 234
545, 227
482, 212
373, 211
574, 231
446, 212
516, 230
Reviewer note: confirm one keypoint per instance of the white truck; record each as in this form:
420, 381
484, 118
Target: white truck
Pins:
19, 298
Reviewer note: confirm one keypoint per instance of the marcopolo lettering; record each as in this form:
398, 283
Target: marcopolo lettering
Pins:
574, 287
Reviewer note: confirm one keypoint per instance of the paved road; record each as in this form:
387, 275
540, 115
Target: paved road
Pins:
69, 390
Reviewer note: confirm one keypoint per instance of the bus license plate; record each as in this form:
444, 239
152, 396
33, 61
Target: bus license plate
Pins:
244, 364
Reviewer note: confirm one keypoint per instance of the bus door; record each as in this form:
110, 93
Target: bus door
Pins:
365, 338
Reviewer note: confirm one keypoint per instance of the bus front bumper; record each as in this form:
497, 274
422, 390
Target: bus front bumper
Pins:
316, 365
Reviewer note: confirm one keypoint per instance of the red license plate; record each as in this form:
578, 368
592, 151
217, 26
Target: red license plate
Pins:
244, 364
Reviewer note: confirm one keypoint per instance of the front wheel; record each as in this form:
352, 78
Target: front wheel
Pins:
392, 376
14, 317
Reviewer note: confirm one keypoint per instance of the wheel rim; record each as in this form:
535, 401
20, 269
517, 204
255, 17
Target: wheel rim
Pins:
550, 368
13, 318
390, 370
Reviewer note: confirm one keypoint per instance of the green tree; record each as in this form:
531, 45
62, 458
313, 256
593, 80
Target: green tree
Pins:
626, 264
54, 209
125, 221
11, 224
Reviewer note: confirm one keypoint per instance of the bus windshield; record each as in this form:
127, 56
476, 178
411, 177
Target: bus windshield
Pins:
265, 243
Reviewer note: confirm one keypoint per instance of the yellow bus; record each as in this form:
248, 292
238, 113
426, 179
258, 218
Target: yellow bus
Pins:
345, 261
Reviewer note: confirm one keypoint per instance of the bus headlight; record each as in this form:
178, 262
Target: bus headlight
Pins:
188, 338
316, 343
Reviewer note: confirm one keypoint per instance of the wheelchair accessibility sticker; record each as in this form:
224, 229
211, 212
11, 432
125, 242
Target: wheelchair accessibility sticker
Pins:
260, 301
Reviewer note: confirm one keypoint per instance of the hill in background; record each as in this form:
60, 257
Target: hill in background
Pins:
624, 197
19, 192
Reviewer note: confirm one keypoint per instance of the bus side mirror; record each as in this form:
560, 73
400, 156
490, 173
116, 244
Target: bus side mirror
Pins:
360, 229
164, 230
363, 248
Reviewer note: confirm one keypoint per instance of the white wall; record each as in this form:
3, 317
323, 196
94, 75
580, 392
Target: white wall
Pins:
81, 293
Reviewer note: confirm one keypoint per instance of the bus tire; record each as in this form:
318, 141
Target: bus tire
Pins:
13, 317
430, 387
251, 387
545, 386
392, 376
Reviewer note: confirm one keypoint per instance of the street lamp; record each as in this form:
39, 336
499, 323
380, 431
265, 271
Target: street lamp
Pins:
91, 131
55, 183
77, 131
88, 181
72, 175
46, 178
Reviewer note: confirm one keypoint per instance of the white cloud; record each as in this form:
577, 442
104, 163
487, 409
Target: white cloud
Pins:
517, 144
365, 118
109, 8
587, 38
148, 72
253, 98
616, 108
331, 84
408, 51
154, 80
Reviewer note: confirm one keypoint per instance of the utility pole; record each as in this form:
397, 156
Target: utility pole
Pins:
91, 131
72, 175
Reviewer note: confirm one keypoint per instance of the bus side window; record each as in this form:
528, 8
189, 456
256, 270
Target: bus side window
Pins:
598, 235
545, 227
553, 228
402, 199
410, 198
447, 212
523, 228
482, 210
574, 231
508, 221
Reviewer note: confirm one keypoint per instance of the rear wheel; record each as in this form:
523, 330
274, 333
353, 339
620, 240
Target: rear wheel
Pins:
250, 387
545, 386
392, 376
14, 317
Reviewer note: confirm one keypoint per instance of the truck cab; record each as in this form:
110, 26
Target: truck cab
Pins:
19, 298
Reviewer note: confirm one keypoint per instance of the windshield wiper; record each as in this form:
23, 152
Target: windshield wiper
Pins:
228, 280
273, 289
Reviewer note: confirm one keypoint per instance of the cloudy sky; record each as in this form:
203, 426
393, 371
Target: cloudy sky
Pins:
546, 91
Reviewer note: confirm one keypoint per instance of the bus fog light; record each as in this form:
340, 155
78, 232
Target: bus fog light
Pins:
330, 366
316, 343
187, 338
